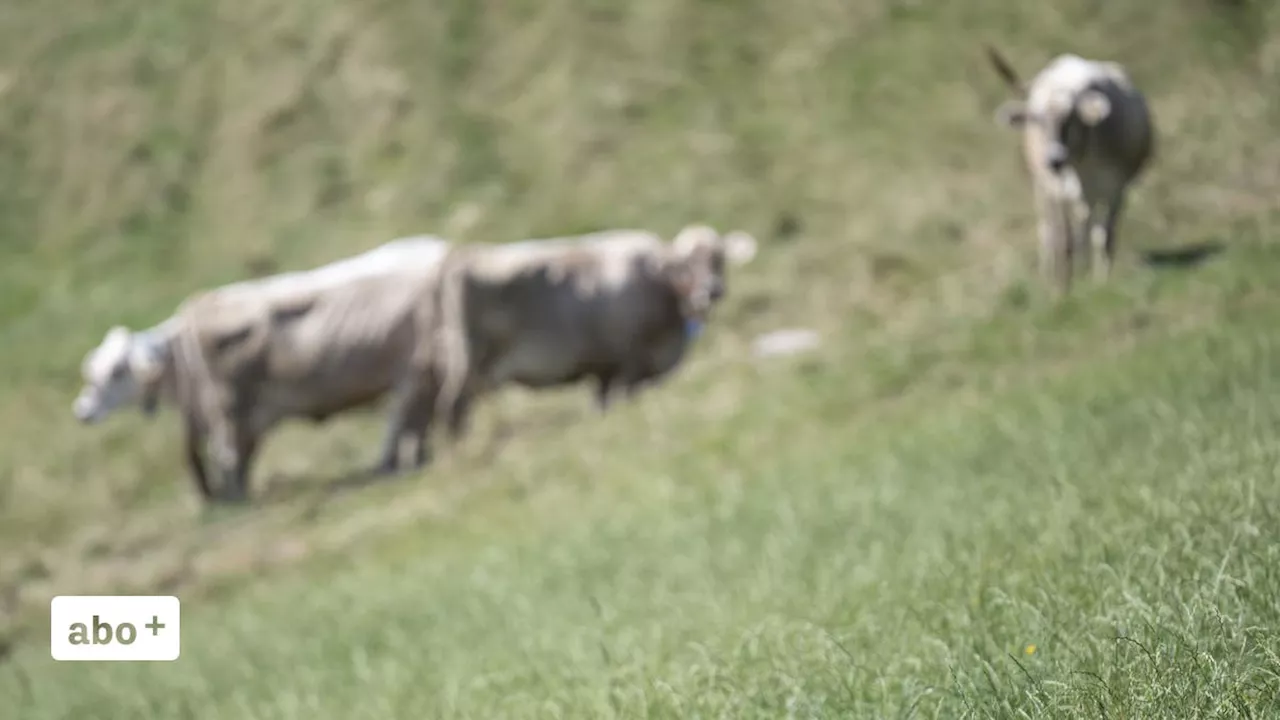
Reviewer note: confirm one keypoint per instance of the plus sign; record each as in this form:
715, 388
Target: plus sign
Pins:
155, 625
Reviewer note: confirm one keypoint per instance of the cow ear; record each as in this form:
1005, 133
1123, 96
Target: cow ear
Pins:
688, 239
680, 276
740, 247
146, 363
1093, 106
1011, 113
1116, 70
117, 334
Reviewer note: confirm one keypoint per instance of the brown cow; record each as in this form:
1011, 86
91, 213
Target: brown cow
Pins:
617, 306
242, 358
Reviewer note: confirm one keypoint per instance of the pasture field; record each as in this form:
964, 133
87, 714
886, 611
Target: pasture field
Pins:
968, 502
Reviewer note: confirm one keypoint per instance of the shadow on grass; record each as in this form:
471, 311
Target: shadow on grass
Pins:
1183, 257
316, 493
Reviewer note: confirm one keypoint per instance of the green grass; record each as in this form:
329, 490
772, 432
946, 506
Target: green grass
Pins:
880, 529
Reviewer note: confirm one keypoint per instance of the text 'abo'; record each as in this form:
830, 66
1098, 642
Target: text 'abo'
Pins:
115, 627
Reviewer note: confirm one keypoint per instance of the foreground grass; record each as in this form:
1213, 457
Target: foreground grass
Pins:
1093, 537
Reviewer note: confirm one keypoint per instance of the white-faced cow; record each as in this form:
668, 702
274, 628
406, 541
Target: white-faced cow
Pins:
619, 307
1087, 134
241, 358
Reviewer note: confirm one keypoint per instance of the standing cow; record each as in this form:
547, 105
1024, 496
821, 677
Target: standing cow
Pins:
1086, 136
241, 358
618, 307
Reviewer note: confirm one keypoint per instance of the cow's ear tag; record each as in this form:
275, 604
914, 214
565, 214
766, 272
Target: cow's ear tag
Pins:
692, 328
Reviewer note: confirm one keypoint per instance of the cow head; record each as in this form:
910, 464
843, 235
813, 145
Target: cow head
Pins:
1061, 118
697, 269
124, 369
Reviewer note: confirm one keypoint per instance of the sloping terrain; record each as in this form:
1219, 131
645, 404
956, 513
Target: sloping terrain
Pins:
968, 501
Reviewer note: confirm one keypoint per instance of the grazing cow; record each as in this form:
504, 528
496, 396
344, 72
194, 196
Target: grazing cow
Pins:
241, 358
617, 306
1087, 135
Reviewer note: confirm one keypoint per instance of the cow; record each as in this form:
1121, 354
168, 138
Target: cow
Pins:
618, 307
1087, 135
241, 358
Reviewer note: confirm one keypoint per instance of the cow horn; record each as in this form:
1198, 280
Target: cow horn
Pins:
1005, 70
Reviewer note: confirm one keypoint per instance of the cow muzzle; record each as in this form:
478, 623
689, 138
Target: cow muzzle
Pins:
1056, 158
86, 410
699, 306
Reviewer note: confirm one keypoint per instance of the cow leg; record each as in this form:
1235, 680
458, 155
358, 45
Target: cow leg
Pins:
425, 411
604, 384
195, 459
460, 415
635, 382
1053, 229
421, 449
634, 387
389, 458
416, 429
224, 457
1069, 243
1080, 219
457, 387
246, 452
226, 451
1103, 237
399, 423
422, 415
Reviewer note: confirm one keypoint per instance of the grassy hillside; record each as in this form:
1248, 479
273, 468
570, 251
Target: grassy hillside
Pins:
969, 501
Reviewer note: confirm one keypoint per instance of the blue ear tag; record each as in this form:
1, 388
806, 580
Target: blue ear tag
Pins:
692, 328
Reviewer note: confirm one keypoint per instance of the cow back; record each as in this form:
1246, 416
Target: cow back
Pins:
312, 351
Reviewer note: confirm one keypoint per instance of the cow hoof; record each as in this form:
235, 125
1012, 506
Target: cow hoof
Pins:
233, 496
211, 511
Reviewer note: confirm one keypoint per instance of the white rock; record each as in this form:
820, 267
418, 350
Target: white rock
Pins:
785, 342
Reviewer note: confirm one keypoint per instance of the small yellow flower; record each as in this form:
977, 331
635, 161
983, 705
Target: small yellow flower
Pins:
1030, 650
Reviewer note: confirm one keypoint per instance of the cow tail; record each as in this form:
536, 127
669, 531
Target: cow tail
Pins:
1005, 70
194, 380
451, 335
